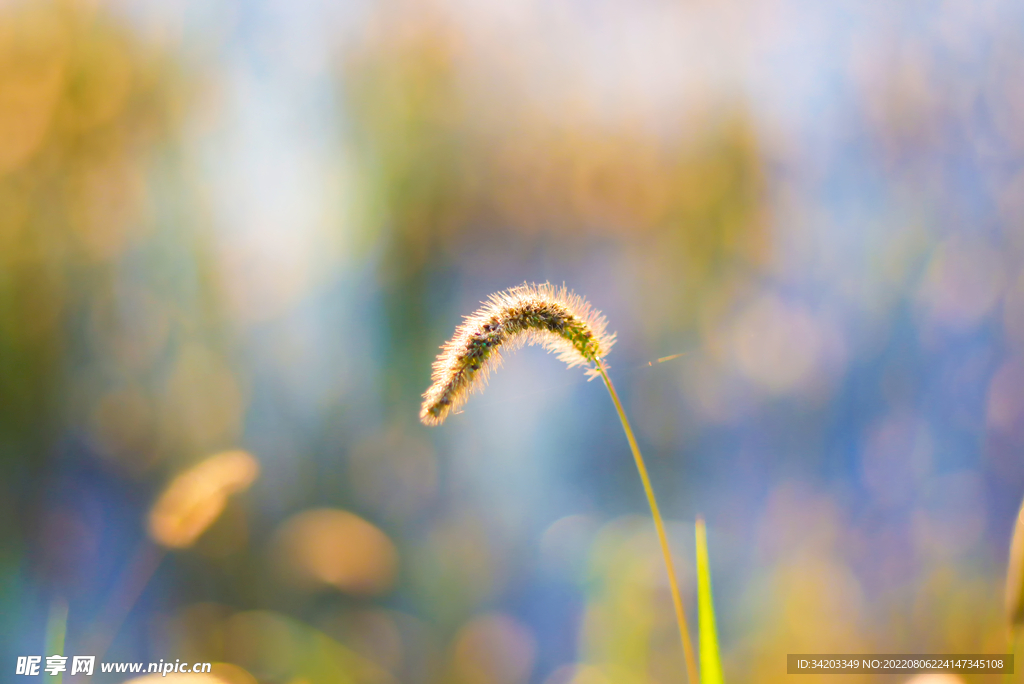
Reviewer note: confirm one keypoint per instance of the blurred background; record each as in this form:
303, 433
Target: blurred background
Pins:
234, 234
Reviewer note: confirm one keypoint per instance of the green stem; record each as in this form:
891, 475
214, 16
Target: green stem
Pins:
684, 633
56, 630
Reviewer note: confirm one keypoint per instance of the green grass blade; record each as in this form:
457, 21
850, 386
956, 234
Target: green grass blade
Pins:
710, 663
56, 629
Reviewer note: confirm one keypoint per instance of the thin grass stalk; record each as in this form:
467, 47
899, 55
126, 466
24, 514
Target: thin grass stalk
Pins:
659, 524
561, 322
56, 631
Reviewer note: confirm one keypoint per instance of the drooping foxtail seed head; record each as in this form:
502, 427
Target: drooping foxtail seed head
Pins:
550, 316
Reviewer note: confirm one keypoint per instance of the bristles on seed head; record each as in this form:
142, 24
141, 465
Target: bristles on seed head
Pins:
553, 317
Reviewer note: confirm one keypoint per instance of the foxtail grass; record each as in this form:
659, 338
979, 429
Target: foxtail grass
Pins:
552, 317
561, 322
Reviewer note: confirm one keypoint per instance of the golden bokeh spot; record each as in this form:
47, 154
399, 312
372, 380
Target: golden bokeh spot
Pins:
220, 673
33, 61
178, 678
232, 674
935, 678
330, 547
195, 498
